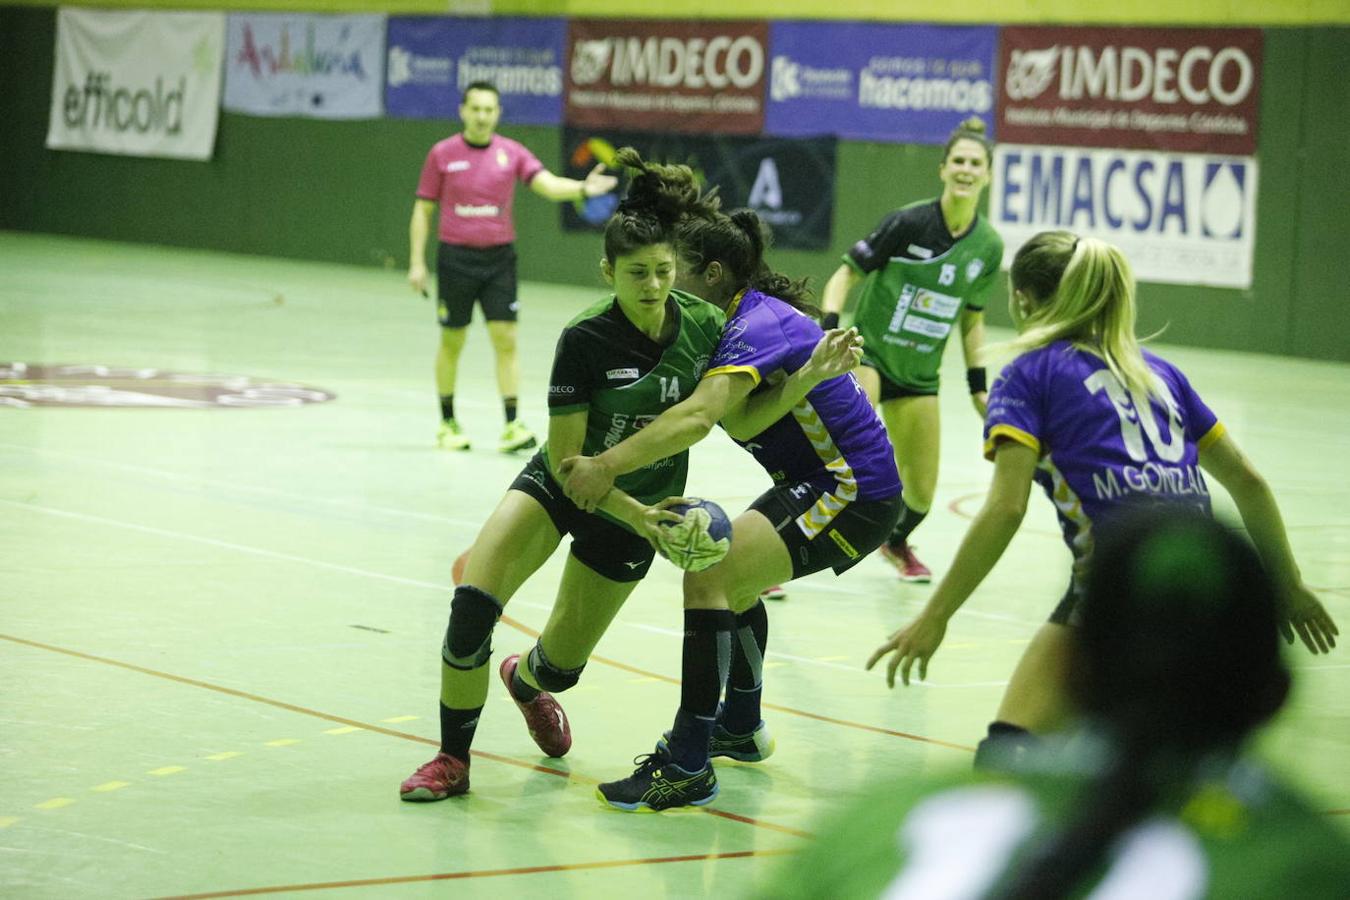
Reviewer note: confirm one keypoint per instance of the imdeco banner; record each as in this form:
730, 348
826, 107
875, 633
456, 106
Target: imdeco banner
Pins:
323, 67
137, 83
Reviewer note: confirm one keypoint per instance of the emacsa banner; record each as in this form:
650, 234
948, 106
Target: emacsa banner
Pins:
1180, 218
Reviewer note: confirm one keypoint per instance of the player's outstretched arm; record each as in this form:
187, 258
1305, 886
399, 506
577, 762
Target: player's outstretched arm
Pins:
562, 190
838, 352
1303, 614
983, 545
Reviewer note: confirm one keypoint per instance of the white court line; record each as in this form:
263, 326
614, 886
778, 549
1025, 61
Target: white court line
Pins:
246, 488
365, 573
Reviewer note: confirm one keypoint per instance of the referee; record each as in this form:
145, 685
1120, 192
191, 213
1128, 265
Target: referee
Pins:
472, 176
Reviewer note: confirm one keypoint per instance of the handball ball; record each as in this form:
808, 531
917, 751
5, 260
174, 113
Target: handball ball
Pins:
719, 523
700, 539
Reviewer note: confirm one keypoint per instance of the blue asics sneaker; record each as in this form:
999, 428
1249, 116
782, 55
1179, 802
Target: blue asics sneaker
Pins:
659, 784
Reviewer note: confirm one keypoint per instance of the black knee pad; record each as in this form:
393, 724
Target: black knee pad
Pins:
548, 676
1004, 747
468, 637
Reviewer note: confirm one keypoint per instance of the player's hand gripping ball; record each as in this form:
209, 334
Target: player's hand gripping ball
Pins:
700, 540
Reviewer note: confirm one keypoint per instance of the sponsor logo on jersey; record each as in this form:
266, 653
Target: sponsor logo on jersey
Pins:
459, 165
927, 327
502, 159
932, 303
974, 268
622, 374
467, 211
919, 252
561, 389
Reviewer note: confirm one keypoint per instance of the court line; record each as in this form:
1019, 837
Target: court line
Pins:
342, 720
519, 626
481, 873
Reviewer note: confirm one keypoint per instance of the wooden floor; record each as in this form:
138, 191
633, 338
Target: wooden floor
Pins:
220, 625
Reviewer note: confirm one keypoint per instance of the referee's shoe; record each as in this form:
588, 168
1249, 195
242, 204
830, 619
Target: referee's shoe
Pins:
659, 784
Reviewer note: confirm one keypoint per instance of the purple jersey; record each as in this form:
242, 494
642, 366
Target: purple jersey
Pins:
1100, 446
832, 437
475, 187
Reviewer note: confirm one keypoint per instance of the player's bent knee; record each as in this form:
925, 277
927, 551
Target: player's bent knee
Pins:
551, 678
468, 637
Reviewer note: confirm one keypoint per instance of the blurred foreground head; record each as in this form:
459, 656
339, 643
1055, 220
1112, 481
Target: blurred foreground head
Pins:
1179, 643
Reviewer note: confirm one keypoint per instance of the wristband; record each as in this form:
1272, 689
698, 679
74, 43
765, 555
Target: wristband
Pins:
829, 320
978, 379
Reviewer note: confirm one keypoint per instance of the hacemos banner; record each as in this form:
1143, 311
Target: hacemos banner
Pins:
137, 83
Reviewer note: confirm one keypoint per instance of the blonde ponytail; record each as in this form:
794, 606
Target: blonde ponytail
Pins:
1082, 290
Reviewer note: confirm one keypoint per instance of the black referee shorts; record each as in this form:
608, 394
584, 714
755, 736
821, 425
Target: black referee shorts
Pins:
466, 275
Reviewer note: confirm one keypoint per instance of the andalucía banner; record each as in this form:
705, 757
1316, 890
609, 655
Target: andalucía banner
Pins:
136, 83
289, 64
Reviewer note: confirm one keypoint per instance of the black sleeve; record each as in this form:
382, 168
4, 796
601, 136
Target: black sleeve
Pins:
570, 384
872, 252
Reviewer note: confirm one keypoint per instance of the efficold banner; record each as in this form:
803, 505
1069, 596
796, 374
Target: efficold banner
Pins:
688, 76
1180, 218
909, 84
1187, 89
287, 64
432, 60
789, 183
136, 83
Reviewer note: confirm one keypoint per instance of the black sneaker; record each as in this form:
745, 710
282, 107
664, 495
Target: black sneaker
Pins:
756, 746
659, 784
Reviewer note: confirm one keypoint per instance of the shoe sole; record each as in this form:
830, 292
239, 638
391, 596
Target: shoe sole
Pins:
641, 807
916, 579
426, 795
524, 445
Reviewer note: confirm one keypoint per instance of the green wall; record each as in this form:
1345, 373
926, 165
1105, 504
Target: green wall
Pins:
342, 191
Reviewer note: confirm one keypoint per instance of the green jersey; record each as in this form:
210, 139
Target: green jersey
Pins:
623, 380
919, 280
1229, 833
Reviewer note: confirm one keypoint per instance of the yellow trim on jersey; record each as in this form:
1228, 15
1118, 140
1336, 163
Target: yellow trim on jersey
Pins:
1211, 437
735, 302
1011, 433
849, 550
731, 370
823, 512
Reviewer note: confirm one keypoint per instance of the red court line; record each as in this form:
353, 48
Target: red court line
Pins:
861, 726
482, 873
379, 729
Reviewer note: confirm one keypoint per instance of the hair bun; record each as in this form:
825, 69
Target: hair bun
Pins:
974, 125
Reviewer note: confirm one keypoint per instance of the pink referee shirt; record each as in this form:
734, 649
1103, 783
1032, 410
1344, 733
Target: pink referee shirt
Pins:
475, 188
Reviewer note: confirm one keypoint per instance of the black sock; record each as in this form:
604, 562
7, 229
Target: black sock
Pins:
447, 407
745, 684
509, 404
707, 656
457, 728
1005, 746
909, 520
521, 689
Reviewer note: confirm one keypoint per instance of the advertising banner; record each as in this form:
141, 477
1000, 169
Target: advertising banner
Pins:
289, 64
1180, 218
790, 183
1187, 89
136, 83
907, 84
432, 61
686, 76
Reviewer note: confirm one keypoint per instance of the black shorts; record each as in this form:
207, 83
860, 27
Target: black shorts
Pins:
894, 390
1068, 611
853, 533
468, 274
604, 547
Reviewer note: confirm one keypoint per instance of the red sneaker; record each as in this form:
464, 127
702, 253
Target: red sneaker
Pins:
544, 716
906, 563
445, 776
776, 592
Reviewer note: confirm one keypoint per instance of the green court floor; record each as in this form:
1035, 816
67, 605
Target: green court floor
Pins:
220, 625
